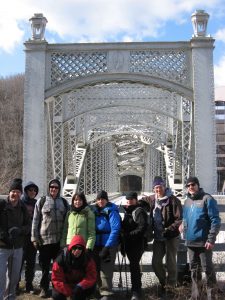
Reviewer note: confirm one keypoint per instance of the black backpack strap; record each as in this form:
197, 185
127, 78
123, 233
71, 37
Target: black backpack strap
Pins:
66, 204
42, 202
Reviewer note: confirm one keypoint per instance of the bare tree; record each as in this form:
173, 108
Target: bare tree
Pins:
11, 129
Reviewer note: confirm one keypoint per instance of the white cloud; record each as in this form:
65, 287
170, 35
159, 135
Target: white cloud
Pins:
220, 35
219, 70
95, 20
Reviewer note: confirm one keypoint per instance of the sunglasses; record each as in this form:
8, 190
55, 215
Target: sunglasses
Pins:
78, 248
54, 187
191, 184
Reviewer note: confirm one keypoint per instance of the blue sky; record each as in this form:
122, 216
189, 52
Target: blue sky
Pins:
105, 20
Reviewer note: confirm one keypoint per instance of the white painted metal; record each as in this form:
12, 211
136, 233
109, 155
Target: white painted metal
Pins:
136, 109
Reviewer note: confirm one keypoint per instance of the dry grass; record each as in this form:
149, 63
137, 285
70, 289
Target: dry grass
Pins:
151, 293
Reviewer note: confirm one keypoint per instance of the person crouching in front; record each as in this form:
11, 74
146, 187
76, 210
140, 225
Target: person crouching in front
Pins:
74, 272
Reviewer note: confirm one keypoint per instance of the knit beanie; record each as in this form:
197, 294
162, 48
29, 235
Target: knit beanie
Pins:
158, 181
102, 195
16, 185
193, 179
131, 195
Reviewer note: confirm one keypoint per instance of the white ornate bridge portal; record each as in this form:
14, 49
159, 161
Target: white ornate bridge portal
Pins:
107, 116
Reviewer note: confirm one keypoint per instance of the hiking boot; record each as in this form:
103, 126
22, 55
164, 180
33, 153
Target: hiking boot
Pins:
18, 291
135, 296
44, 293
106, 298
29, 288
161, 290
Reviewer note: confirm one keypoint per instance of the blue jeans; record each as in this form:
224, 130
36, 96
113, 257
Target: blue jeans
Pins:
10, 262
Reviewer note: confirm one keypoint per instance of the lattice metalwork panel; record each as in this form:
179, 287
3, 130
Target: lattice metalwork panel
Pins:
113, 95
147, 136
178, 152
154, 166
58, 139
186, 138
50, 169
186, 141
67, 66
130, 154
67, 158
169, 64
99, 171
80, 156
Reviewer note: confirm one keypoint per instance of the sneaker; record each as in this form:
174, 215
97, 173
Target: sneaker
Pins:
161, 290
44, 293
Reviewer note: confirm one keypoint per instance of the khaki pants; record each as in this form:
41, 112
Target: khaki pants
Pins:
166, 248
105, 275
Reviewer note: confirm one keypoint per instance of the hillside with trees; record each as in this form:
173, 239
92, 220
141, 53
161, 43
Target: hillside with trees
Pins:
11, 129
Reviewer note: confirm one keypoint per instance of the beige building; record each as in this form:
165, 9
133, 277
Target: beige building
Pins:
220, 136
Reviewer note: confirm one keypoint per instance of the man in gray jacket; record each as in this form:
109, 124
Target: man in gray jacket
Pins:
47, 226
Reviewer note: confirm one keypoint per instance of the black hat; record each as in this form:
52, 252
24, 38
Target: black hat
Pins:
131, 195
16, 185
192, 179
102, 195
158, 181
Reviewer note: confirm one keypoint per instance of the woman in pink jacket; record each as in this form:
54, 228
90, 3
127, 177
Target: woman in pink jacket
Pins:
74, 272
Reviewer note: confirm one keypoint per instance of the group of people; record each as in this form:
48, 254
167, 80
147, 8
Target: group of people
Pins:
82, 240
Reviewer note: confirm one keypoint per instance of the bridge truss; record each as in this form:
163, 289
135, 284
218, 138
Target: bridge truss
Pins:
105, 111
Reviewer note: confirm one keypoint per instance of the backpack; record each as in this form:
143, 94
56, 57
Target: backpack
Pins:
43, 199
148, 235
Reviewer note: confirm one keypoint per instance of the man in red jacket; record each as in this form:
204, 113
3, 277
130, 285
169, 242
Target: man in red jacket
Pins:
74, 272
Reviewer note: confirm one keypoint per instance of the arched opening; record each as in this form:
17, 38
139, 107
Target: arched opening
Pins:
130, 183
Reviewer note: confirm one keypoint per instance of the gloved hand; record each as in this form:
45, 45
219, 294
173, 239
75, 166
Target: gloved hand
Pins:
36, 245
122, 250
3, 235
122, 247
165, 233
105, 254
89, 252
77, 292
14, 232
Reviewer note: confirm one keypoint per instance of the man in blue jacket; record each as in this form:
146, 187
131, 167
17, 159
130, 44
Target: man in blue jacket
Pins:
201, 224
107, 225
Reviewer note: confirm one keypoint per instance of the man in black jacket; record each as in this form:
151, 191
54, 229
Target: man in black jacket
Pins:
134, 225
14, 225
29, 251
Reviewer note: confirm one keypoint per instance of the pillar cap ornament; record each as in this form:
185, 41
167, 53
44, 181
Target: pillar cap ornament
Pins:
199, 22
38, 24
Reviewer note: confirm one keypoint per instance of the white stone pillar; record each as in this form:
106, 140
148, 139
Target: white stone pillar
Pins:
204, 114
34, 135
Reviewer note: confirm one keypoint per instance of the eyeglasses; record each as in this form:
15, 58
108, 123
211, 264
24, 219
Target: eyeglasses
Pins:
54, 187
191, 184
